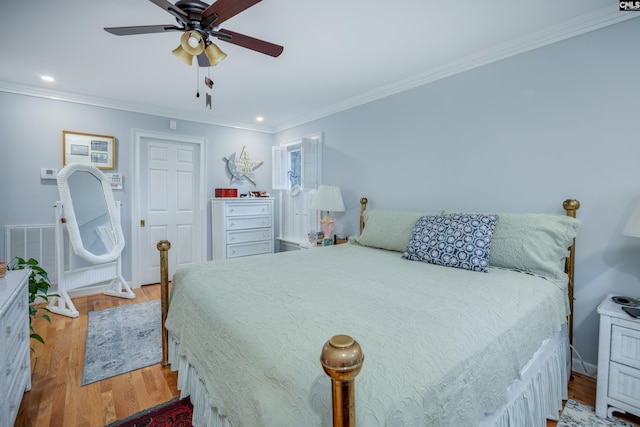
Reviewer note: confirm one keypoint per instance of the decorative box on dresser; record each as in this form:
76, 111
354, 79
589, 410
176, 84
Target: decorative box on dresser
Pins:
15, 365
241, 226
618, 385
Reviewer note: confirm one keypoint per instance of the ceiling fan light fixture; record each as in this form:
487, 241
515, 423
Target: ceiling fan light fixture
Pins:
192, 42
214, 54
183, 55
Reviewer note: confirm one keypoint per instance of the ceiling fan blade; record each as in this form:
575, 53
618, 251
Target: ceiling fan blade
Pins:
203, 61
252, 43
225, 9
180, 14
141, 29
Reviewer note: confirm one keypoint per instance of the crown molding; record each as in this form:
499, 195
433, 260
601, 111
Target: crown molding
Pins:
143, 109
599, 19
575, 27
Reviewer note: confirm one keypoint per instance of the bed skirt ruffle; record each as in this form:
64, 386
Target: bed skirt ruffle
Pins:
533, 399
538, 394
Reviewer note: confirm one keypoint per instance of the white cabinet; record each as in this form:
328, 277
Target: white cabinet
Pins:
618, 386
15, 367
241, 227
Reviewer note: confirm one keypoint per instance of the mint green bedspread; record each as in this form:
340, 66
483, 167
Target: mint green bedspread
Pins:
441, 344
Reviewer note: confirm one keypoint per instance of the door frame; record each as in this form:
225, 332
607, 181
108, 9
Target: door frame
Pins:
138, 136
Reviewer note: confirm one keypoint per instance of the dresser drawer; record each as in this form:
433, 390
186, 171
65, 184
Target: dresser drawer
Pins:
234, 251
14, 329
625, 346
624, 384
253, 208
250, 235
12, 364
18, 384
245, 222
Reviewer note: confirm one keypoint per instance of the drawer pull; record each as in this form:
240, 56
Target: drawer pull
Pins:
8, 330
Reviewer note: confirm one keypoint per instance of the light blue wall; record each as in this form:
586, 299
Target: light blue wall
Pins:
519, 135
31, 138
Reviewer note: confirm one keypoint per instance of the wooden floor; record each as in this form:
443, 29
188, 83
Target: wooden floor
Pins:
57, 399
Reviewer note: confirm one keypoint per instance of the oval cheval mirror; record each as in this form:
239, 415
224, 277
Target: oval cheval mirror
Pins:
90, 215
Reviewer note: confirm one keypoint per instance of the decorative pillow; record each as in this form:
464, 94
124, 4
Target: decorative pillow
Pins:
453, 240
389, 230
533, 243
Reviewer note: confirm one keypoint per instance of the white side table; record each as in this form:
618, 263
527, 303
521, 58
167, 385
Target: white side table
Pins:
618, 386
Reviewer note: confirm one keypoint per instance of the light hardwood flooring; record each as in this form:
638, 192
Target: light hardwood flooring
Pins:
57, 399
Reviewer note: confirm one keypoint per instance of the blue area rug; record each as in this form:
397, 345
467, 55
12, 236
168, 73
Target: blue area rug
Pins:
122, 339
576, 414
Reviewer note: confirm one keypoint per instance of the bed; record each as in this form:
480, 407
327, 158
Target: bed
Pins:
448, 340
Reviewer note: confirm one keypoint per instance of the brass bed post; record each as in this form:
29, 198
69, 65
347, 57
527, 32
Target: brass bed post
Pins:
342, 359
363, 206
571, 206
164, 246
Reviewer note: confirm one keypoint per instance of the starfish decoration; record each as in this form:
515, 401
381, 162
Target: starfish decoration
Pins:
242, 166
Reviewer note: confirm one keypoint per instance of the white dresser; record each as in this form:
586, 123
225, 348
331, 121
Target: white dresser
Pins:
241, 227
618, 385
15, 367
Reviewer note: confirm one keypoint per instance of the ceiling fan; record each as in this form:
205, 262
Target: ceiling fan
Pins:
198, 21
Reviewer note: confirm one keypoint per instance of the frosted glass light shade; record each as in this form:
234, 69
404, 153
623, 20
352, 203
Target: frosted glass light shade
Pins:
214, 54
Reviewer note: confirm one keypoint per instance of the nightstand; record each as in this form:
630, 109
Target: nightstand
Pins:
618, 386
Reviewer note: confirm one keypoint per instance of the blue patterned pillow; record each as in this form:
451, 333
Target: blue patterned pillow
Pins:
453, 240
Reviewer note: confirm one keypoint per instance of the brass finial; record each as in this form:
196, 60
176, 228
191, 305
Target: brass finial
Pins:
163, 245
342, 358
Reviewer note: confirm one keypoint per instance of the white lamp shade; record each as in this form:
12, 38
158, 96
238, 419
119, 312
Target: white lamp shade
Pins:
632, 228
328, 198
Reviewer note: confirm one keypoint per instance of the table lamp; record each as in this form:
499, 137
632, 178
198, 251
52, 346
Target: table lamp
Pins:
328, 198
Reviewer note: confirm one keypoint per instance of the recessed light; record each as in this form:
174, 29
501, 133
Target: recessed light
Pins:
259, 119
47, 78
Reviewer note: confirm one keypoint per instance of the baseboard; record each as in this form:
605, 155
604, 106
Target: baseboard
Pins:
584, 368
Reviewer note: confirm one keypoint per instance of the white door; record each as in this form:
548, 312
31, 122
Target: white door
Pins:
170, 205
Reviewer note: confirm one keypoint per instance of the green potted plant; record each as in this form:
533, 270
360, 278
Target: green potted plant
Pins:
39, 285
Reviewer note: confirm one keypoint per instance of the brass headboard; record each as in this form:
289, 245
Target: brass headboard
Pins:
570, 206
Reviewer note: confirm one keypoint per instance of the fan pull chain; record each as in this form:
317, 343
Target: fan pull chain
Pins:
209, 83
197, 80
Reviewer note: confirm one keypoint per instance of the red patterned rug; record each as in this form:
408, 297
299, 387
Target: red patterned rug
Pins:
175, 413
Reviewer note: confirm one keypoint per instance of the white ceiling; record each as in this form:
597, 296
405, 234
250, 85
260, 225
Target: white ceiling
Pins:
337, 53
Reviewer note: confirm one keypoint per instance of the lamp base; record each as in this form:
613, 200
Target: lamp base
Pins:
328, 225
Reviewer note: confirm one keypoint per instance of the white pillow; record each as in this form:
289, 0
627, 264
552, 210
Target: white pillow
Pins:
386, 229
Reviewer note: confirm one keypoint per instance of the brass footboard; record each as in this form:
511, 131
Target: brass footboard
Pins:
164, 246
